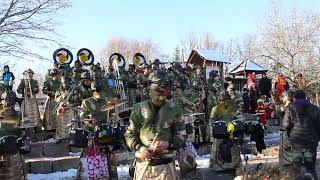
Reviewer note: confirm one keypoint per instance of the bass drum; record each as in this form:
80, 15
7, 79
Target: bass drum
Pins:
219, 129
78, 138
9, 145
119, 132
104, 134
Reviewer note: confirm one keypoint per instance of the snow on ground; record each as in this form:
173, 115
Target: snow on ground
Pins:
67, 175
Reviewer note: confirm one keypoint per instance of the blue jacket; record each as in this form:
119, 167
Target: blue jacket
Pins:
6, 77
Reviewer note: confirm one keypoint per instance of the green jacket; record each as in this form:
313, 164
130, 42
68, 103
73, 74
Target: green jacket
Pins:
73, 101
34, 86
91, 107
144, 123
50, 87
225, 111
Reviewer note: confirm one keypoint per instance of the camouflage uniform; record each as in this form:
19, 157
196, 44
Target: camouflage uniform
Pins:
145, 122
29, 106
8, 112
11, 165
131, 82
225, 111
90, 109
70, 110
84, 89
50, 87
143, 82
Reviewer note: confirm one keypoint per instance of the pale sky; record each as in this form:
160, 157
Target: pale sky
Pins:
90, 23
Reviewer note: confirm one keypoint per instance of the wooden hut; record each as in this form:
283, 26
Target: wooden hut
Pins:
208, 59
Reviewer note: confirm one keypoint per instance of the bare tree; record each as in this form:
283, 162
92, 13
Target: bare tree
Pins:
128, 48
26, 22
290, 43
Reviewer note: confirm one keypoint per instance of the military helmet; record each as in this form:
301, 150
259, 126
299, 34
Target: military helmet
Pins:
28, 71
53, 72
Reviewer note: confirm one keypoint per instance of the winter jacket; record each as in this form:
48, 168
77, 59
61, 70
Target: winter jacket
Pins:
301, 124
6, 77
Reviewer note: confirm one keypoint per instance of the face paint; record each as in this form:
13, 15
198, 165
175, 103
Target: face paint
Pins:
158, 98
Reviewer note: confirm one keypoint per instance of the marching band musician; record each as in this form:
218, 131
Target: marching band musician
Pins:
155, 131
50, 87
84, 87
91, 109
68, 99
11, 165
224, 155
131, 81
29, 87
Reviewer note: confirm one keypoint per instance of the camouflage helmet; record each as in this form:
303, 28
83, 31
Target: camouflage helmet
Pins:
224, 96
28, 71
53, 72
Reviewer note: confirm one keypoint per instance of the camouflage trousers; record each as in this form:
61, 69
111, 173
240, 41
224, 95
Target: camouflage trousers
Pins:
161, 172
62, 131
216, 161
49, 119
113, 166
132, 96
12, 168
30, 111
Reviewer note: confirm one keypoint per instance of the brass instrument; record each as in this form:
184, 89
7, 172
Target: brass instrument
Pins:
85, 56
63, 100
117, 61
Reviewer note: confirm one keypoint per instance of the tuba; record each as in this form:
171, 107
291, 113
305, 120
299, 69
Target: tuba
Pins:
138, 59
118, 62
62, 56
85, 56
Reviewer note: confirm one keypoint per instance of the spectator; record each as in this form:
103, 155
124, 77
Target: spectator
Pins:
281, 84
7, 77
246, 100
253, 95
300, 134
265, 85
300, 82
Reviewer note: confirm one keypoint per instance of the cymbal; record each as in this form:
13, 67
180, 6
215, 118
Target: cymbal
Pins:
8, 121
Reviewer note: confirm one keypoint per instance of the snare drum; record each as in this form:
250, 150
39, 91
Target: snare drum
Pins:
189, 128
9, 145
104, 133
219, 129
78, 138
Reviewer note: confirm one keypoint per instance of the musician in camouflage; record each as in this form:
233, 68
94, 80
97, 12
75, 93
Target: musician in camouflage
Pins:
68, 100
50, 87
29, 87
9, 118
92, 116
226, 111
131, 84
155, 131
84, 87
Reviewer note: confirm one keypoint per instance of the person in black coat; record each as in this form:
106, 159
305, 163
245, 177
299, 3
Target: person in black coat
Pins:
246, 100
265, 85
300, 134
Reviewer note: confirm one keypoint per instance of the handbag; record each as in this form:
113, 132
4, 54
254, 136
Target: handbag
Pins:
95, 165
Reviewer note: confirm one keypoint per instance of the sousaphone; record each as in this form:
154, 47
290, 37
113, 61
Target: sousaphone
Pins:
138, 59
118, 60
62, 56
85, 56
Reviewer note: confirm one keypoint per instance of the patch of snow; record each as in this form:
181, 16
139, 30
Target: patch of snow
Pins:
66, 175
203, 161
123, 171
51, 140
74, 154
